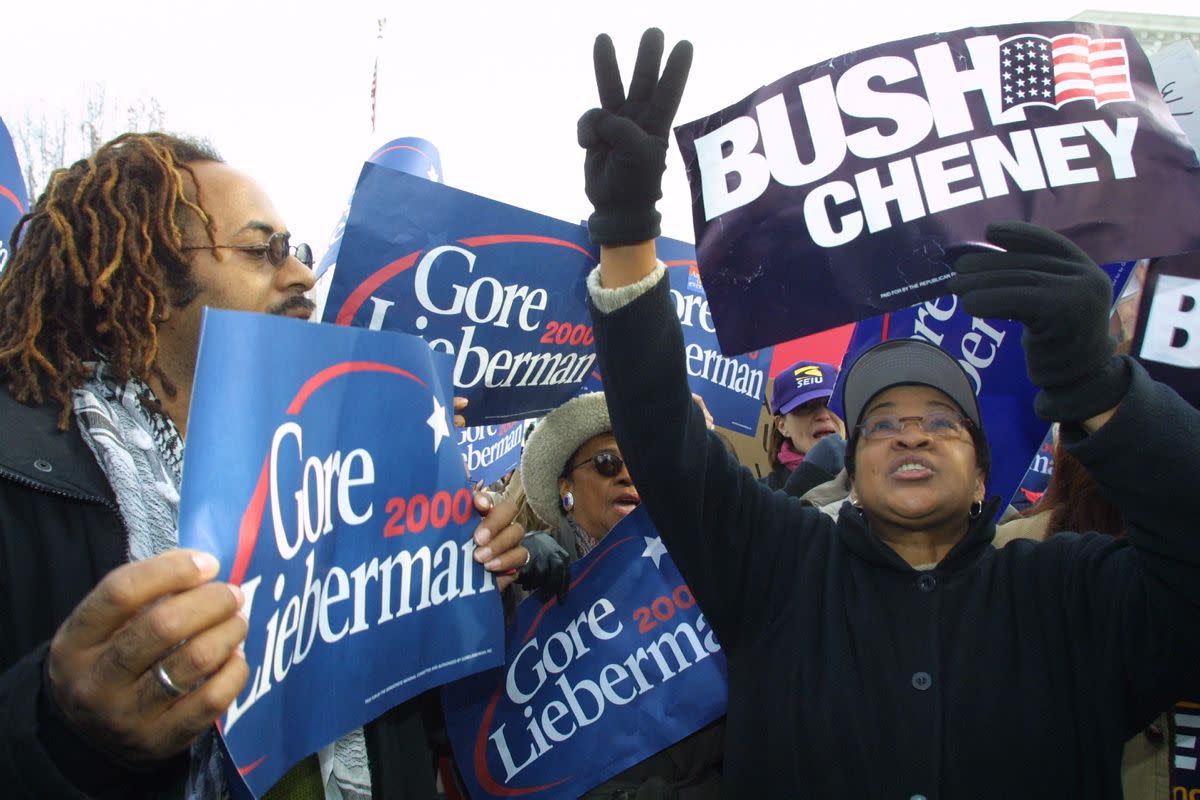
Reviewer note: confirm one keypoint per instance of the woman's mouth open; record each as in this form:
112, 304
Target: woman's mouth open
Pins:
910, 468
823, 431
626, 503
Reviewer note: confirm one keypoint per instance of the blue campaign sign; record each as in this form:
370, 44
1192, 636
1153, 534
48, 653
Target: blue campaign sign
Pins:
491, 451
834, 194
409, 154
14, 197
732, 387
1037, 477
990, 352
333, 494
499, 288
626, 668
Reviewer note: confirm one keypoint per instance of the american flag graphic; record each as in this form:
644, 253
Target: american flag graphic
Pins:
1038, 70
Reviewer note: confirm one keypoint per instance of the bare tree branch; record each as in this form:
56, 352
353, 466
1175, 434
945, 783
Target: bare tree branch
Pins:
44, 144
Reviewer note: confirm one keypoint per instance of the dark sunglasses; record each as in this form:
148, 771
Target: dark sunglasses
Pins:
276, 249
606, 462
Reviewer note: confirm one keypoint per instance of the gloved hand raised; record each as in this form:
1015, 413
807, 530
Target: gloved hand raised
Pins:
626, 138
1063, 299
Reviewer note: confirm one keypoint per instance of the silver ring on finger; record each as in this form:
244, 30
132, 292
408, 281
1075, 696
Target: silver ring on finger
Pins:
164, 680
528, 556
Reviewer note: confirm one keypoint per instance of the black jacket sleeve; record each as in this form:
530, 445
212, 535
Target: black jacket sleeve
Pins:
40, 756
1140, 598
804, 477
735, 541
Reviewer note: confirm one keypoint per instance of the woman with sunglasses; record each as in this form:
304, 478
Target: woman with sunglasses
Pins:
574, 478
894, 652
575, 481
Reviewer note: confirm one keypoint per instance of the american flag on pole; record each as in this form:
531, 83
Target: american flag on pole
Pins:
1041, 71
375, 70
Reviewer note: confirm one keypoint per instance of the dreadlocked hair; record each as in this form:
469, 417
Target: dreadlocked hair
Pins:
96, 260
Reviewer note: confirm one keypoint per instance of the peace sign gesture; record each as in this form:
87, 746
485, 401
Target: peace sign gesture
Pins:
626, 138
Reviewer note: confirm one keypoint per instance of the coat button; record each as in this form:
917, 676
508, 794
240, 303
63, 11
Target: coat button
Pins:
43, 465
926, 583
921, 681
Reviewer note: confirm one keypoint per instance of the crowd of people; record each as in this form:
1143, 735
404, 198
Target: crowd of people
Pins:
884, 637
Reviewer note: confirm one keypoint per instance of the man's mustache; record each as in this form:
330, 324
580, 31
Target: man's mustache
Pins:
293, 303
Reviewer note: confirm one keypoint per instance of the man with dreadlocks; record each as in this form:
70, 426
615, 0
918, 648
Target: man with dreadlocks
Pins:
113, 672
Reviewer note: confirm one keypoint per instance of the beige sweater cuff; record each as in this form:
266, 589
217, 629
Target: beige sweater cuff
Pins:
609, 300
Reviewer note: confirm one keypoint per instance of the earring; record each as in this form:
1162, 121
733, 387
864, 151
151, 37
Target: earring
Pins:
976, 509
568, 502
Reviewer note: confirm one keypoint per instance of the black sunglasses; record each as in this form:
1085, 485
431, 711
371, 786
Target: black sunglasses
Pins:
276, 249
606, 462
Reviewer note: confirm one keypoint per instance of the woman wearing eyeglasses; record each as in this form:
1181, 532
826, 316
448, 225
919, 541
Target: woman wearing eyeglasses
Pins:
893, 652
575, 480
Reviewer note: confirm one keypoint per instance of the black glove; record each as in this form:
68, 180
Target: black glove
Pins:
1063, 299
548, 570
626, 139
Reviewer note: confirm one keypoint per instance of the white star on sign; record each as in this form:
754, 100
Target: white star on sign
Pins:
432, 174
654, 549
437, 421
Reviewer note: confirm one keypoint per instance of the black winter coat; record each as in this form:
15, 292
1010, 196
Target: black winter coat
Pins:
60, 533
796, 482
1000, 673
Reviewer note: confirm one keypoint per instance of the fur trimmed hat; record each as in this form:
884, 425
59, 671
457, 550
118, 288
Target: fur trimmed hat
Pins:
553, 440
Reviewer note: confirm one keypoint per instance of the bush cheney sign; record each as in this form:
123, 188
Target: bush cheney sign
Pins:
626, 667
500, 289
856, 174
1167, 339
333, 494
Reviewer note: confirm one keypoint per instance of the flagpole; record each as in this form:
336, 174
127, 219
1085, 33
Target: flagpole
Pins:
381, 23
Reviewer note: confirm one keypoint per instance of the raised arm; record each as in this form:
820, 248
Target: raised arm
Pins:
1137, 609
712, 514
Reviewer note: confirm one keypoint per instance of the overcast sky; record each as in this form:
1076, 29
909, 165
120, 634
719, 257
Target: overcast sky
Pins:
282, 88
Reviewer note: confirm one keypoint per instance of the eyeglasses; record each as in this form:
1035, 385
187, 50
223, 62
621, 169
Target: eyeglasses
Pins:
606, 462
942, 424
276, 249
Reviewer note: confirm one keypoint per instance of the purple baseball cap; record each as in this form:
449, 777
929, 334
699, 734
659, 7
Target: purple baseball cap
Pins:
801, 382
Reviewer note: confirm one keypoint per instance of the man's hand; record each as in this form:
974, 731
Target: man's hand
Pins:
1063, 299
626, 139
165, 613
